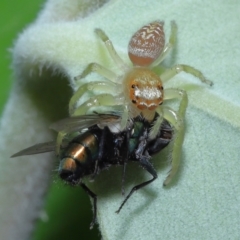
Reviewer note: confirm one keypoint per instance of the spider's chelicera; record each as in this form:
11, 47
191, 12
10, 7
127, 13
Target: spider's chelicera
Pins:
138, 90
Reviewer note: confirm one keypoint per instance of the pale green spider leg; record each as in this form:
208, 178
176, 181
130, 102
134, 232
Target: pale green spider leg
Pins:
91, 87
116, 58
170, 115
95, 67
156, 125
61, 135
180, 130
176, 119
171, 72
125, 117
176, 93
98, 101
105, 102
169, 45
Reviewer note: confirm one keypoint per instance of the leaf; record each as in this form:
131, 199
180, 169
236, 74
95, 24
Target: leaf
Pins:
204, 200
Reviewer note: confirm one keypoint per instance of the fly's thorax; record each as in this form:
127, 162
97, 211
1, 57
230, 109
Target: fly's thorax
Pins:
144, 90
136, 133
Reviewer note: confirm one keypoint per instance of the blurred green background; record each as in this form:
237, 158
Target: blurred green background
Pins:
68, 209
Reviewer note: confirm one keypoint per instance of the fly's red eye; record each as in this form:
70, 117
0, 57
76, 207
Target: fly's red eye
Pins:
147, 44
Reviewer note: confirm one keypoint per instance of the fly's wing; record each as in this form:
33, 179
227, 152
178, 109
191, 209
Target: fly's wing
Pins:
70, 125
37, 148
78, 123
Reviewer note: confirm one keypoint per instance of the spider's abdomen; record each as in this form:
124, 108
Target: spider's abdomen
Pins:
147, 44
144, 89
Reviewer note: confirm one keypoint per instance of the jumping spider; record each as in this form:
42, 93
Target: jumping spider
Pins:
139, 90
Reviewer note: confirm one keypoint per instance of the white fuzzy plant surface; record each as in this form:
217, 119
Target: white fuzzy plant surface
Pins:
204, 200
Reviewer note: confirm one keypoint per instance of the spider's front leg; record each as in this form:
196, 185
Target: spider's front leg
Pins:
92, 87
97, 68
180, 130
168, 114
176, 119
95, 103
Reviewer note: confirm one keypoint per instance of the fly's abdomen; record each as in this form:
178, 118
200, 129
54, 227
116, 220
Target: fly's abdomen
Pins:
83, 149
79, 157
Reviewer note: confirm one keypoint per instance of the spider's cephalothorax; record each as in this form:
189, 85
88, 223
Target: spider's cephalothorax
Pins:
138, 90
143, 91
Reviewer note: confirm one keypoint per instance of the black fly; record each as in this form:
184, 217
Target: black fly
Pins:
89, 152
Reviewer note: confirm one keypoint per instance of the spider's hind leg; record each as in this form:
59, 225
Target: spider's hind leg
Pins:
169, 45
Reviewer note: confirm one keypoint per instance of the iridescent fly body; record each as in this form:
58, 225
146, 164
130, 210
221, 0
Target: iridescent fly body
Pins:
88, 153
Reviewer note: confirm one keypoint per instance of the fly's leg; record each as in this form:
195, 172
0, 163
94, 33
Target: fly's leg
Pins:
125, 157
94, 197
101, 152
148, 167
143, 161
